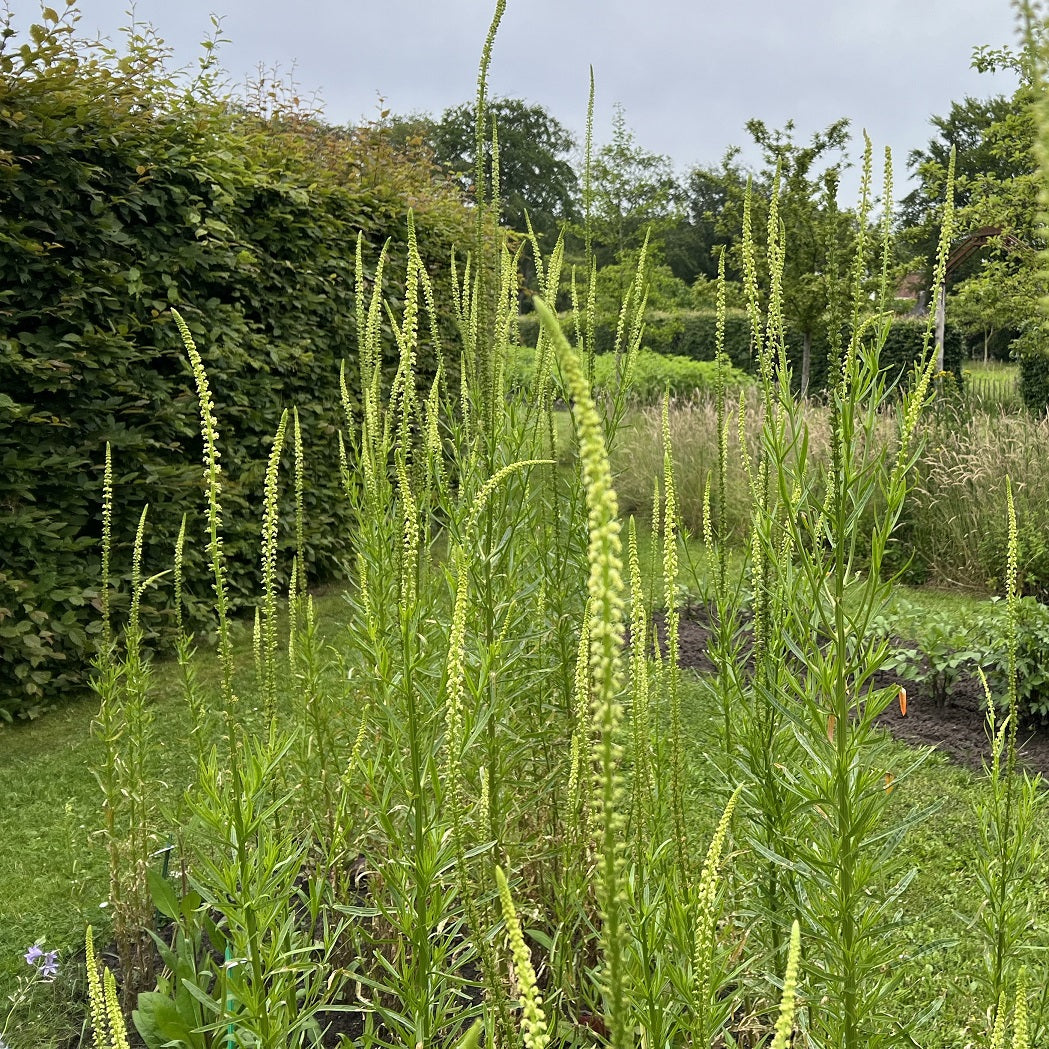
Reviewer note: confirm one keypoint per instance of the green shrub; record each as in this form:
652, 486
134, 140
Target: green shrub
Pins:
121, 196
655, 373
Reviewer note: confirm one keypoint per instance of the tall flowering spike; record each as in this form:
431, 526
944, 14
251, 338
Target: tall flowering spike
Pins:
916, 399
1013, 626
300, 507
359, 292
107, 545
721, 394
494, 188
775, 257
998, 1032
588, 201
532, 1018
886, 231
580, 756
256, 649
481, 108
117, 1028
673, 618
293, 601
492, 483
371, 349
180, 542
859, 260
640, 688
96, 994
785, 1024
456, 692
344, 399
136, 571
484, 802
706, 917
409, 334
365, 590
632, 314
708, 526
344, 467
750, 274
270, 523
1021, 1034
213, 483
605, 590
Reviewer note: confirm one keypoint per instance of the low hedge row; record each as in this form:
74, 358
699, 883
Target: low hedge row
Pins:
692, 334
653, 374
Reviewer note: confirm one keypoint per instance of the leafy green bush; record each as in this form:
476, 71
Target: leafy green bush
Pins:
691, 333
944, 651
121, 195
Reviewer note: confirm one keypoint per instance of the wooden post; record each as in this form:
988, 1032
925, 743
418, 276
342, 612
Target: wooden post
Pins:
941, 309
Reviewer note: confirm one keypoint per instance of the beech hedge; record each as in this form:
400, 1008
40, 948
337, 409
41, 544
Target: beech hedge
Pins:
121, 196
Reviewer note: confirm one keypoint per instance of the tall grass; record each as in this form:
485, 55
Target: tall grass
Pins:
952, 531
956, 526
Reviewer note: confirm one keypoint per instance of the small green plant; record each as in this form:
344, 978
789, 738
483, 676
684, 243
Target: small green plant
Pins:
175, 1010
944, 651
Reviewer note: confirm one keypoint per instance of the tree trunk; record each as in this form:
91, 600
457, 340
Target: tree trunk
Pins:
806, 362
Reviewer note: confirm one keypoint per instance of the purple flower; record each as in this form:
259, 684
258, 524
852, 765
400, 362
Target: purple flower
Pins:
49, 966
45, 963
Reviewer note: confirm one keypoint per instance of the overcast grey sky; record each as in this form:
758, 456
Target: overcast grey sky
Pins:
688, 72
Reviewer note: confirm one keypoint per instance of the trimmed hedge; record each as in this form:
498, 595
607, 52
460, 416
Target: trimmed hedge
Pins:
1034, 381
119, 199
692, 334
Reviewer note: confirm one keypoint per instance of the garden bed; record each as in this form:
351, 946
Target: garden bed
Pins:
958, 728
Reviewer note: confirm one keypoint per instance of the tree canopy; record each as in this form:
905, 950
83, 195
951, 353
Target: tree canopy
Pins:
536, 175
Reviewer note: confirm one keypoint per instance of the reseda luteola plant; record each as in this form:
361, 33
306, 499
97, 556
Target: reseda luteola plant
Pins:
467, 814
814, 765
